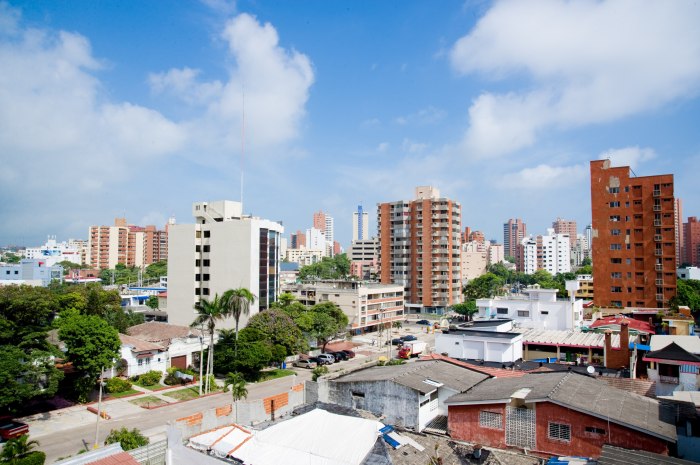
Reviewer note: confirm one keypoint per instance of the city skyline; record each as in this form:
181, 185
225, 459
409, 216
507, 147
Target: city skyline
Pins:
111, 109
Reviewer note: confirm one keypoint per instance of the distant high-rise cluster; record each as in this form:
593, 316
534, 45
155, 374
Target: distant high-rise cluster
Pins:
315, 243
514, 231
126, 244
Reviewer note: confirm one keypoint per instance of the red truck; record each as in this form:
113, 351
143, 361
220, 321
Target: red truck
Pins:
10, 428
412, 349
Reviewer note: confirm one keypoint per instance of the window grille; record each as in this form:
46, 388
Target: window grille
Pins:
490, 420
559, 431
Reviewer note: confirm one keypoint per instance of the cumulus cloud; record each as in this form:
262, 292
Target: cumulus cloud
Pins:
628, 156
586, 62
544, 177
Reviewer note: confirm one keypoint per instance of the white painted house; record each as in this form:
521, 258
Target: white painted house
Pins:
488, 340
138, 357
534, 308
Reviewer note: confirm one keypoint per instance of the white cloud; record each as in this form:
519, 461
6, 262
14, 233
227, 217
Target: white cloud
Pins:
383, 147
425, 116
183, 83
587, 62
410, 146
544, 177
628, 156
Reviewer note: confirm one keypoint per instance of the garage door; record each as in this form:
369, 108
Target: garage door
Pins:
179, 362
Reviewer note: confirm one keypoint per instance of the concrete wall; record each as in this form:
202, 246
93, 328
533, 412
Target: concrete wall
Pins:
397, 403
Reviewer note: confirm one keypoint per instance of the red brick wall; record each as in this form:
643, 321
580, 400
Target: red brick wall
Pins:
464, 426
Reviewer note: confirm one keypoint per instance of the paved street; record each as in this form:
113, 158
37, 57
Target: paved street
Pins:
62, 433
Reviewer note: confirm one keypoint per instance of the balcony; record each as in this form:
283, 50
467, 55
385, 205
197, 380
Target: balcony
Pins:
658, 238
657, 222
657, 208
658, 252
660, 297
659, 282
659, 267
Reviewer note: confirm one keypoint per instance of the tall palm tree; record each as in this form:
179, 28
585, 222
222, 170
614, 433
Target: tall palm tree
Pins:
209, 312
238, 388
237, 303
17, 448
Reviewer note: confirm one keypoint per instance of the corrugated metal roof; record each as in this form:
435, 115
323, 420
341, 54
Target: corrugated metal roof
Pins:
568, 338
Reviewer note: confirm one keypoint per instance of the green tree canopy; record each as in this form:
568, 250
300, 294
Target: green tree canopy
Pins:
467, 309
156, 270
484, 286
129, 439
26, 375
687, 294
336, 267
278, 328
329, 322
92, 345
26, 314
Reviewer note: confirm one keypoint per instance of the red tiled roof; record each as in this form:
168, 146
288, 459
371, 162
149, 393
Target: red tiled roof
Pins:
162, 333
122, 458
495, 372
139, 345
617, 320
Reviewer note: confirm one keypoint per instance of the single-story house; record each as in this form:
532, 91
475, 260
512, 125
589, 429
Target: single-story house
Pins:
138, 357
557, 413
674, 363
182, 343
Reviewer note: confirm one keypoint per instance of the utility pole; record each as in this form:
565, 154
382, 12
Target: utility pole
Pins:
99, 414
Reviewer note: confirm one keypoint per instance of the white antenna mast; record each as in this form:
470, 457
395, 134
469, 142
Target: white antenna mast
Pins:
242, 142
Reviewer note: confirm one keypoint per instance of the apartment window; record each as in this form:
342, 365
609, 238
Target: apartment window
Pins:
524, 313
615, 246
616, 303
198, 262
594, 430
207, 233
615, 232
197, 291
198, 234
205, 277
616, 260
614, 217
616, 289
198, 277
491, 420
205, 291
205, 262
614, 190
614, 204
502, 311
197, 248
616, 274
206, 248
559, 432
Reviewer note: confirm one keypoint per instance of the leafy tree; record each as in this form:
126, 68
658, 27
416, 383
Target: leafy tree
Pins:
129, 439
10, 257
25, 375
687, 294
238, 388
121, 319
26, 313
586, 262
397, 325
483, 287
337, 267
236, 303
585, 269
209, 312
467, 309
156, 270
254, 353
92, 345
17, 448
153, 302
318, 372
68, 265
277, 328
329, 322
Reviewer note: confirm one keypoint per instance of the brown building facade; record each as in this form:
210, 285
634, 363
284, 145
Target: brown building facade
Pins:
514, 231
633, 237
420, 248
691, 237
126, 244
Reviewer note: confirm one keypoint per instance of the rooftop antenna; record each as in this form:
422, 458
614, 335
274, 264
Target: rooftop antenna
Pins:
242, 142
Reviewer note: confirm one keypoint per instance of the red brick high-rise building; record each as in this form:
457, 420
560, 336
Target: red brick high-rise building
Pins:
691, 236
566, 227
514, 231
126, 244
633, 237
420, 248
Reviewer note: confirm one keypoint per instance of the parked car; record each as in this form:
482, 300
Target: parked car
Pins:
423, 322
326, 359
409, 337
339, 356
305, 363
397, 341
10, 428
349, 353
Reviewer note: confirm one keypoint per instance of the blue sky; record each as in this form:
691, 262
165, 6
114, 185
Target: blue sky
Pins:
133, 108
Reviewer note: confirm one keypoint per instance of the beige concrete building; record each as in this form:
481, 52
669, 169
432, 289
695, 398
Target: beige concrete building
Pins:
223, 250
126, 244
475, 259
367, 305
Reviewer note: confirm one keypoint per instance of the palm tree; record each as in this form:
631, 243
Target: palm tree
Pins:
208, 313
17, 448
397, 325
238, 388
237, 303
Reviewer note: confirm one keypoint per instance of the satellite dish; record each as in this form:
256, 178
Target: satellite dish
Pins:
590, 370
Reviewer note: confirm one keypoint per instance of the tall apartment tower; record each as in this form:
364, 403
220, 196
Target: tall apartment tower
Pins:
514, 231
551, 252
420, 248
360, 225
223, 250
691, 236
561, 226
678, 223
633, 237
126, 244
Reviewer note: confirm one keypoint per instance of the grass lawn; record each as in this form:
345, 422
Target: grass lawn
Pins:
148, 401
274, 374
184, 394
123, 394
152, 387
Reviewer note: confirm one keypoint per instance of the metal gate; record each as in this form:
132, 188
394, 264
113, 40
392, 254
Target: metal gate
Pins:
520, 427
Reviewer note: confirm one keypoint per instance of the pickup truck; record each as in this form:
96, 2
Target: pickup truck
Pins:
10, 428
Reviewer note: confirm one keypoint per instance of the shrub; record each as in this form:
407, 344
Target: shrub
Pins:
318, 372
151, 378
128, 439
33, 458
115, 385
395, 361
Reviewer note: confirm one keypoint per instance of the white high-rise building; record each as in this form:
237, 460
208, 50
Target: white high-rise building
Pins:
360, 225
53, 252
316, 240
223, 250
551, 252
